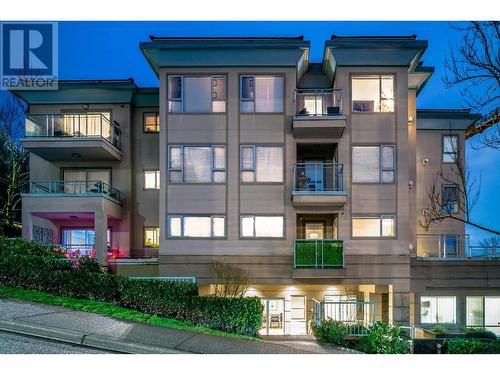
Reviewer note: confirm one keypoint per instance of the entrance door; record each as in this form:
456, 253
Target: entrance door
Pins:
492, 314
273, 322
315, 230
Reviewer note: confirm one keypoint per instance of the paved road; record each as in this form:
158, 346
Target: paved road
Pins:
17, 344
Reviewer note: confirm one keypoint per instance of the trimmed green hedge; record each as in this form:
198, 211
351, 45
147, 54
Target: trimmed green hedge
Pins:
472, 346
32, 266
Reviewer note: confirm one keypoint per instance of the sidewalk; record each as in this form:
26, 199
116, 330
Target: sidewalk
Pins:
122, 336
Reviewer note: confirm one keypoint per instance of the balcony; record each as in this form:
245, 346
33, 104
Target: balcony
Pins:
318, 184
70, 137
318, 254
318, 113
74, 189
453, 247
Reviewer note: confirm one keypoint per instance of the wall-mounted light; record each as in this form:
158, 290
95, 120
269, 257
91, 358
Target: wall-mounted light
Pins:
410, 120
76, 155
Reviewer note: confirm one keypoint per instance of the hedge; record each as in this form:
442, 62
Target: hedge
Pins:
32, 266
472, 346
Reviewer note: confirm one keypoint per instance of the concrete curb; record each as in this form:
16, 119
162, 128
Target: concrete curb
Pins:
90, 340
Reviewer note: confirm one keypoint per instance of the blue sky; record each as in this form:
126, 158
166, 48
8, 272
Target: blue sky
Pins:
100, 50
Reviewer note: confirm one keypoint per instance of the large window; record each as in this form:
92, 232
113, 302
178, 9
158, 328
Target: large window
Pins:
197, 93
450, 148
376, 164
373, 93
438, 310
261, 93
152, 179
86, 180
196, 226
197, 164
450, 199
484, 312
374, 226
87, 124
261, 226
151, 122
261, 163
151, 236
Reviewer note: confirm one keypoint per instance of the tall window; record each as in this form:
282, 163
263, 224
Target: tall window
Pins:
86, 180
152, 179
373, 93
197, 93
87, 124
196, 226
151, 236
450, 148
375, 226
374, 164
151, 122
450, 199
484, 312
438, 310
261, 163
261, 226
197, 164
261, 93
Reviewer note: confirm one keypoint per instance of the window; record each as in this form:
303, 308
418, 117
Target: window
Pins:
373, 93
198, 226
87, 124
450, 199
197, 94
450, 148
261, 93
86, 180
374, 164
261, 163
151, 236
261, 226
197, 164
298, 306
437, 310
382, 226
450, 243
151, 122
152, 179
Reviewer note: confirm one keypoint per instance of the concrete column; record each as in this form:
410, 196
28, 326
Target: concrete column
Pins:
27, 229
400, 304
100, 227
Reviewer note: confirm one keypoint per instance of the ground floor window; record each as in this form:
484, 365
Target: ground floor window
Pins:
438, 310
484, 312
81, 240
151, 236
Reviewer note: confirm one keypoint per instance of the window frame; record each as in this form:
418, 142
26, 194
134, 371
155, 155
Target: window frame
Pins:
254, 237
443, 203
380, 217
253, 100
157, 122
182, 168
253, 169
183, 237
181, 99
443, 153
157, 231
382, 169
433, 323
157, 179
379, 75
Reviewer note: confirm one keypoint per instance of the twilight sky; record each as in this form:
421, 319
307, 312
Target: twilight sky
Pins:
104, 50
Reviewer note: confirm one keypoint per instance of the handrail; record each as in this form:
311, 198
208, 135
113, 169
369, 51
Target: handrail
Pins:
435, 246
326, 253
318, 177
318, 102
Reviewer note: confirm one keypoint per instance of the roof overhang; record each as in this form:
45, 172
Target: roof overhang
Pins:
147, 97
419, 77
226, 52
445, 119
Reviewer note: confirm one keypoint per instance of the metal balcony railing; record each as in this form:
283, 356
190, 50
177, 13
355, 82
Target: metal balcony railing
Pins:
318, 253
318, 177
93, 125
435, 246
75, 188
318, 102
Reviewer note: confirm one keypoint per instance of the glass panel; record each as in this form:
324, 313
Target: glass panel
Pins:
387, 176
269, 226
152, 237
247, 91
197, 94
314, 231
247, 176
175, 158
175, 177
450, 146
219, 177
366, 94
218, 88
175, 106
475, 311
269, 166
219, 157
103, 175
366, 227
247, 157
197, 226
492, 314
175, 87
247, 223
387, 157
175, 226
388, 226
446, 310
387, 94
219, 106
365, 164
428, 310
150, 180
197, 164
450, 246
150, 122
268, 94
218, 226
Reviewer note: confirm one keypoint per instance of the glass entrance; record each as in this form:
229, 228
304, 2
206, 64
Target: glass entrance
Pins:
273, 321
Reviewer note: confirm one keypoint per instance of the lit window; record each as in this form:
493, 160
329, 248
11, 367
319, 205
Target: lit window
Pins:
197, 164
196, 226
438, 310
450, 148
261, 93
261, 226
382, 226
152, 236
151, 122
152, 179
261, 163
87, 124
197, 94
373, 93
375, 164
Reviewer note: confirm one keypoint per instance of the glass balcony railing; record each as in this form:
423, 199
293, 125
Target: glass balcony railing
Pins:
318, 253
73, 125
435, 246
318, 177
318, 103
75, 188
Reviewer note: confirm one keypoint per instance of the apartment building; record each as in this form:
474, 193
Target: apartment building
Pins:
311, 176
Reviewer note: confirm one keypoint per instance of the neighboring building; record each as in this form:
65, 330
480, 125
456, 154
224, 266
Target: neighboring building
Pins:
312, 176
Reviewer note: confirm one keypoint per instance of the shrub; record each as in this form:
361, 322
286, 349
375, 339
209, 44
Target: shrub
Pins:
439, 330
480, 333
384, 339
9, 230
331, 331
19, 246
472, 346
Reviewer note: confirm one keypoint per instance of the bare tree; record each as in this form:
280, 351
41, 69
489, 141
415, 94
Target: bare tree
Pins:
458, 206
12, 110
491, 242
230, 280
